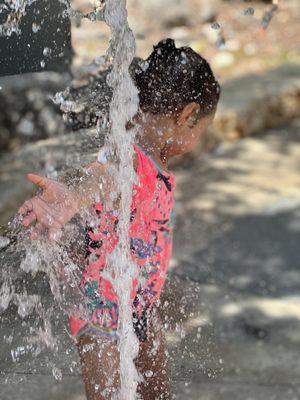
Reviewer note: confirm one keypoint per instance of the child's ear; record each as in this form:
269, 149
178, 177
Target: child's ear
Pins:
188, 115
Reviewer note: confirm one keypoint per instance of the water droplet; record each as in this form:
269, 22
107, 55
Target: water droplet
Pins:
216, 26
4, 241
148, 374
35, 27
56, 372
249, 11
47, 51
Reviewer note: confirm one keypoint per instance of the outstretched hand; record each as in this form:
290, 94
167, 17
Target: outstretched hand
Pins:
50, 210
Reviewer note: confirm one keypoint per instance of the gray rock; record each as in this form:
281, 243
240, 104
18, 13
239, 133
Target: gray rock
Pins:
27, 112
252, 103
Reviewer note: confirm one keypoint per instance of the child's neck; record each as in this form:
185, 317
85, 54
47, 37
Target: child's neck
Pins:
156, 152
153, 139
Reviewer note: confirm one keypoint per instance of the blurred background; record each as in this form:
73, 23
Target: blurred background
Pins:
232, 305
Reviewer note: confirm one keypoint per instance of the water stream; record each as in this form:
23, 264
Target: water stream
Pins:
123, 108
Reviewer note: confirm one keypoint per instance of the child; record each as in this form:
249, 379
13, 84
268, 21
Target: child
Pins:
178, 99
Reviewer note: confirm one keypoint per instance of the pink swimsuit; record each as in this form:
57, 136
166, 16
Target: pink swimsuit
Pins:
151, 242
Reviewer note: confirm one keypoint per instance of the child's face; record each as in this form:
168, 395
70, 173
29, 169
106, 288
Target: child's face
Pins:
187, 136
181, 133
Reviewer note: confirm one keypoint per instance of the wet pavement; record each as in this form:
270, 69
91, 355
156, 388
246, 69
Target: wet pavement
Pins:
232, 304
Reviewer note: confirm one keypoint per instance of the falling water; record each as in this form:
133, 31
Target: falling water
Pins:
123, 108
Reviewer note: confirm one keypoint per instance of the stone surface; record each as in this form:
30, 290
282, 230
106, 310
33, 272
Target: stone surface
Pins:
27, 111
251, 104
29, 387
238, 228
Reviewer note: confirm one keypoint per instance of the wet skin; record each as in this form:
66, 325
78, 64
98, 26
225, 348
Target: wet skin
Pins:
100, 365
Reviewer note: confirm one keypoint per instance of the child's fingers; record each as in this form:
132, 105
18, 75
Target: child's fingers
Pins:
46, 215
26, 207
38, 180
29, 219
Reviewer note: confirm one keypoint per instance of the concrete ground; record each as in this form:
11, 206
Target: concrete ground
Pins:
232, 306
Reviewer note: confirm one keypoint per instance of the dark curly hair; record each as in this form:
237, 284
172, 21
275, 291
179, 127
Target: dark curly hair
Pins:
173, 77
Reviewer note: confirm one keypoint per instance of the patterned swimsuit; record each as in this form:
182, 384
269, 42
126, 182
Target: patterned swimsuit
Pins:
151, 243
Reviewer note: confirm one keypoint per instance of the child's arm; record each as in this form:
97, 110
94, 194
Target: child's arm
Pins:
58, 203
94, 185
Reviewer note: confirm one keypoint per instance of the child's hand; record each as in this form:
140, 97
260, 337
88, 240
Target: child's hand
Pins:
50, 210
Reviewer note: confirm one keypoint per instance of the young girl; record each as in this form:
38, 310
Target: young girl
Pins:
178, 99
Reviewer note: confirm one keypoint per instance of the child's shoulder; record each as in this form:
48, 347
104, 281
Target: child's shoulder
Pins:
144, 164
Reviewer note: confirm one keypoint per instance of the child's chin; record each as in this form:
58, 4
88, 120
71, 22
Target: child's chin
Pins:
189, 148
